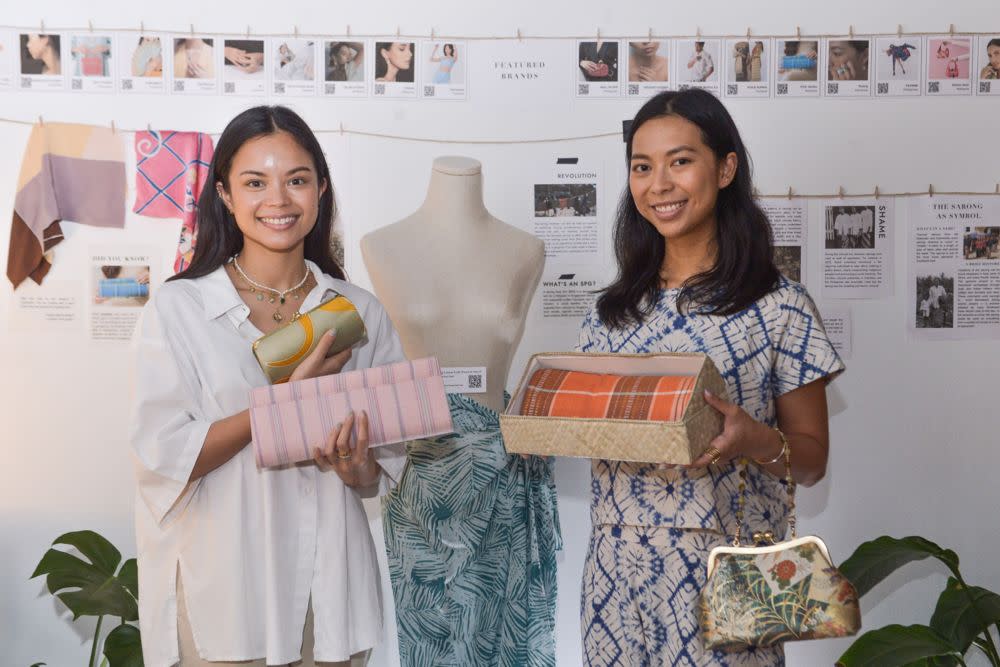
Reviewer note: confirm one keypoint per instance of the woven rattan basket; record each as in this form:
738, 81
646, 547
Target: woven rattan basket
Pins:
674, 442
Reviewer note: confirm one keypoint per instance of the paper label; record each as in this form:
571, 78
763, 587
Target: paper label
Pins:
464, 379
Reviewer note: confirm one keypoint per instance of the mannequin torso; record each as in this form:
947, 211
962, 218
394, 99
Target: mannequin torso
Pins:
456, 281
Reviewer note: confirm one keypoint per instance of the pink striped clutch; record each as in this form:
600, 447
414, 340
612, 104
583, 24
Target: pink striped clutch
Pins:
404, 401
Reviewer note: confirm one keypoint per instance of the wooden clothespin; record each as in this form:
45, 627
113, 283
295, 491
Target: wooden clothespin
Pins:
697, 33
851, 32
41, 27
192, 30
876, 192
432, 33
348, 32
840, 192
748, 33
951, 29
114, 130
798, 32
520, 38
142, 27
248, 30
649, 35
341, 128
41, 121
296, 29
789, 192
930, 190
598, 33
90, 25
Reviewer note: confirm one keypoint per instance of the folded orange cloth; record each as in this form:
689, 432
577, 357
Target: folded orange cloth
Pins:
557, 393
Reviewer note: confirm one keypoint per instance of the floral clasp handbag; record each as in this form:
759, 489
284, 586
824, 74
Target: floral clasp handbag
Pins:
775, 591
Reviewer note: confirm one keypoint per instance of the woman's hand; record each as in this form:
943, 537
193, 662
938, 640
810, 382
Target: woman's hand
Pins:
318, 364
351, 460
589, 66
238, 57
741, 435
843, 72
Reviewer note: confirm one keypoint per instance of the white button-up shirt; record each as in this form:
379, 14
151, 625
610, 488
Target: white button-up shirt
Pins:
252, 545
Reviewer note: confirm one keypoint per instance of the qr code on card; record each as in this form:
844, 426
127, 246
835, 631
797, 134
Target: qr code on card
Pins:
25, 82
178, 86
984, 86
933, 86
832, 88
732, 89
782, 89
633, 89
428, 91
126, 84
883, 89
379, 89
475, 381
279, 87
583, 89
330, 89
76, 84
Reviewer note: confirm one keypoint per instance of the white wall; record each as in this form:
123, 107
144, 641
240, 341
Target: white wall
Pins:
913, 423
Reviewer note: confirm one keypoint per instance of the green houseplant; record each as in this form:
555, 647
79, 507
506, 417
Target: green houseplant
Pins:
100, 585
965, 616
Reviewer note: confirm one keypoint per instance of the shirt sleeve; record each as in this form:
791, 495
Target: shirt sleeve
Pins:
388, 350
804, 351
167, 428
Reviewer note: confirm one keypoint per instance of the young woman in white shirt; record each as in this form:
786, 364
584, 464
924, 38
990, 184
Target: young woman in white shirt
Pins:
236, 563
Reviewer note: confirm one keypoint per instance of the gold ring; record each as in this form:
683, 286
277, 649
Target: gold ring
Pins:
714, 459
343, 457
713, 453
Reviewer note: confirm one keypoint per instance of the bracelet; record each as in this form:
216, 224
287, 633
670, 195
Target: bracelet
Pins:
784, 450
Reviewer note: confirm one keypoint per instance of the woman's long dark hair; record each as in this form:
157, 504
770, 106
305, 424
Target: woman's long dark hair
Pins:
218, 236
744, 267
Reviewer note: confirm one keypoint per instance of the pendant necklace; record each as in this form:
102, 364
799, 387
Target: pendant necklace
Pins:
276, 295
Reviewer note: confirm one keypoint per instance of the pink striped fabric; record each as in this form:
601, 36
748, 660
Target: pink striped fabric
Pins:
404, 401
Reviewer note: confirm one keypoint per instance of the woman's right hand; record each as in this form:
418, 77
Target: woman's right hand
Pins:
316, 364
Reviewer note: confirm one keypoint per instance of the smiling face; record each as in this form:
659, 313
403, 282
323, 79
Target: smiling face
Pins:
398, 55
675, 178
273, 192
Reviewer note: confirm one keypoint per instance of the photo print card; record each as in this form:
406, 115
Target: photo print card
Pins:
988, 64
91, 62
847, 71
648, 69
598, 68
140, 57
42, 61
897, 65
394, 70
948, 65
748, 63
244, 67
294, 66
444, 65
8, 56
195, 65
796, 68
344, 63
697, 63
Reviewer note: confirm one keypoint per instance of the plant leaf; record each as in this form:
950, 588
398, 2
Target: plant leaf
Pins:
129, 576
97, 591
876, 559
955, 618
896, 646
123, 647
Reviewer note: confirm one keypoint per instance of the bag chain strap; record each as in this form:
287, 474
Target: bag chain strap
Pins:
766, 536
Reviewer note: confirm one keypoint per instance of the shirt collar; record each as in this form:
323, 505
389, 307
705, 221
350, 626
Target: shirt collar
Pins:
219, 295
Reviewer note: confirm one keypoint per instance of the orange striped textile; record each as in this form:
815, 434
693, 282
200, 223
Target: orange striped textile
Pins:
558, 393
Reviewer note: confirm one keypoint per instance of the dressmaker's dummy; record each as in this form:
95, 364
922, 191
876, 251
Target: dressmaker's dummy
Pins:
470, 531
456, 281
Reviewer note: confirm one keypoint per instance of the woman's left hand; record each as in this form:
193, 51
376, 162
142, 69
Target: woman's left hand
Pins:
353, 462
741, 435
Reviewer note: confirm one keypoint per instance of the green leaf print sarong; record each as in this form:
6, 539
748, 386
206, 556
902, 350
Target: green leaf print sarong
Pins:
471, 535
